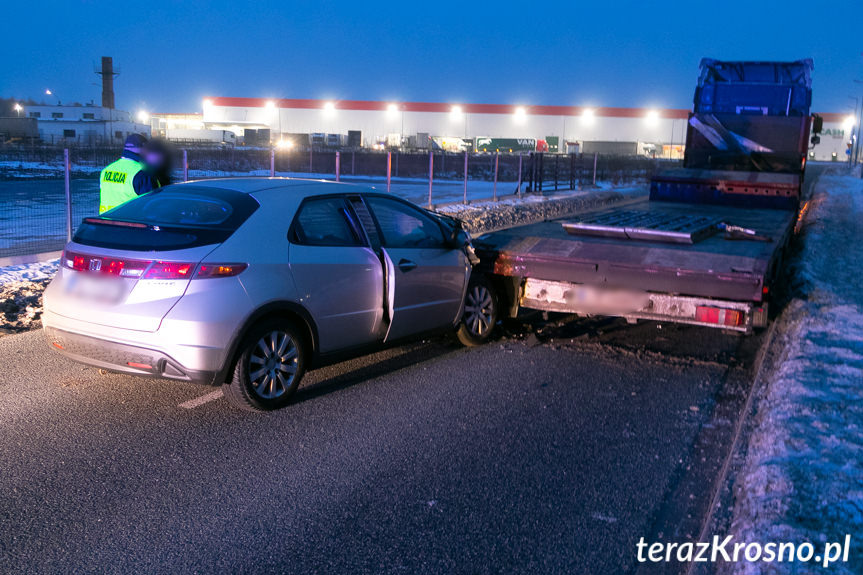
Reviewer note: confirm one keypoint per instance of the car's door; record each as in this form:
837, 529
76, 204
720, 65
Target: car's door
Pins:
338, 276
426, 276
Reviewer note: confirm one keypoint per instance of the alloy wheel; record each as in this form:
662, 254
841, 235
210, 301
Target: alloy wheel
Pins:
479, 310
273, 364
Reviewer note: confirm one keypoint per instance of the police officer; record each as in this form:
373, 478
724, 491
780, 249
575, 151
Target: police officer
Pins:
127, 178
157, 156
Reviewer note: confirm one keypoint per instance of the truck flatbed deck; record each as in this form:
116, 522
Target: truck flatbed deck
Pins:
713, 267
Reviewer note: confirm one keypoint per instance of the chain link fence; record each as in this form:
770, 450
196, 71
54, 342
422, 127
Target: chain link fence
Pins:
35, 209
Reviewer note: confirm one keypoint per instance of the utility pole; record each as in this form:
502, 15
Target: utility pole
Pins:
852, 157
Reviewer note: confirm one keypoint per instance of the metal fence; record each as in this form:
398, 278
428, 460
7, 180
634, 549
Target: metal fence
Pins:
46, 191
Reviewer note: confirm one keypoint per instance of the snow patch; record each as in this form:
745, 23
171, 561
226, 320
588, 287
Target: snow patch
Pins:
802, 479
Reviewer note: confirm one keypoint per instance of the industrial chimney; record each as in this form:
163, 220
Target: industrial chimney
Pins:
107, 74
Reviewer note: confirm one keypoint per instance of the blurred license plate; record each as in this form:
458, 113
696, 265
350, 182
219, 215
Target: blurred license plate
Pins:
94, 288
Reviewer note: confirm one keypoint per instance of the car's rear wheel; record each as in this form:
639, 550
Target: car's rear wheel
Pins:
269, 368
480, 312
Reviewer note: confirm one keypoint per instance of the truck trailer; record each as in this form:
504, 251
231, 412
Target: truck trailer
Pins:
704, 248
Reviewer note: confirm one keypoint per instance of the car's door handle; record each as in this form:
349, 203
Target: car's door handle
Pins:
406, 265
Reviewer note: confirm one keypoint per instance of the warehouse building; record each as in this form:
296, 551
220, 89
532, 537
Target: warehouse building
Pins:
86, 124
489, 127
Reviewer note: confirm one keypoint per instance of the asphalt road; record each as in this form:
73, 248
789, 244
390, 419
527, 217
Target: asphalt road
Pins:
550, 450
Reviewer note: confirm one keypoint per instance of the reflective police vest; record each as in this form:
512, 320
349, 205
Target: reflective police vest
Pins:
116, 183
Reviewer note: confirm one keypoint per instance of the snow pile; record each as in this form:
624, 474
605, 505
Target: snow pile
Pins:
21, 288
13, 169
802, 480
29, 272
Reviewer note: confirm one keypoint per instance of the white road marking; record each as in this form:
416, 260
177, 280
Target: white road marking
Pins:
198, 401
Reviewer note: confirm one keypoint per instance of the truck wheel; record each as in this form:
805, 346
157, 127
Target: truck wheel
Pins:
480, 312
269, 368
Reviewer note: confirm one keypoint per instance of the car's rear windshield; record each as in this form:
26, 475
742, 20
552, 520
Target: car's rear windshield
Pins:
174, 217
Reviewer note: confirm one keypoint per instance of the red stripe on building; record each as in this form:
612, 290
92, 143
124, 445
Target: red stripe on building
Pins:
439, 107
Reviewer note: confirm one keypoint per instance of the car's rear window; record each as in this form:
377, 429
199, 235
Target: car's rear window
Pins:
174, 209
174, 217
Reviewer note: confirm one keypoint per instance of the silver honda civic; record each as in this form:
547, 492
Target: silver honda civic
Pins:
248, 282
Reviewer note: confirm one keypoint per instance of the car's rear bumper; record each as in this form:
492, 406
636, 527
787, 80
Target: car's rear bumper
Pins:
123, 357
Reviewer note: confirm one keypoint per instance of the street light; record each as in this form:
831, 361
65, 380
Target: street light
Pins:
17, 107
519, 115
587, 116
651, 117
143, 116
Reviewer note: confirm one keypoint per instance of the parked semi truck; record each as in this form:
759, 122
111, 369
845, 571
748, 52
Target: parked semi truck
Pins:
189, 136
705, 247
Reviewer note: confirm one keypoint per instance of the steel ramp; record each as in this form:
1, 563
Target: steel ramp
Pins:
644, 225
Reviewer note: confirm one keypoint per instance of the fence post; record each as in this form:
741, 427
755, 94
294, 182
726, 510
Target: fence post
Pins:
595, 157
272, 162
389, 169
67, 168
496, 164
571, 171
431, 176
518, 186
310, 159
338, 165
465, 178
556, 170
185, 165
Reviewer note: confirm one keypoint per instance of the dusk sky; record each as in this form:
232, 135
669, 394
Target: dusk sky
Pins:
172, 54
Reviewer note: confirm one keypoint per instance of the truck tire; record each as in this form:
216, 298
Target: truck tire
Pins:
481, 311
269, 367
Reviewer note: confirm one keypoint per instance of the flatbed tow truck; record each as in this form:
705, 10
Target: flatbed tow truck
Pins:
707, 244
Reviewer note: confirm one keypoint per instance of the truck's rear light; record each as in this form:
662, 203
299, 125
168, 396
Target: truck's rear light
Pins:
102, 265
219, 270
719, 316
169, 271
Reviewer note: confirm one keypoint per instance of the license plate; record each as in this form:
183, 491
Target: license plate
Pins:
96, 289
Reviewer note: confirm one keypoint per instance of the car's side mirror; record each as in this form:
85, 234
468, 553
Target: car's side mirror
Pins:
817, 124
460, 238
816, 139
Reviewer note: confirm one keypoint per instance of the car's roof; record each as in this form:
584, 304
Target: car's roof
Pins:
306, 187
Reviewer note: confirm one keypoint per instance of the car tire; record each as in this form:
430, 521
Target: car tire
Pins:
480, 312
269, 367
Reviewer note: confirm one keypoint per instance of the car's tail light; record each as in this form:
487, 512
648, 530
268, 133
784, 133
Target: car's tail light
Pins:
219, 270
149, 270
170, 271
185, 270
719, 316
120, 267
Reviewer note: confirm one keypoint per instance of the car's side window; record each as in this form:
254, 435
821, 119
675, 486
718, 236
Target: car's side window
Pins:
404, 226
324, 222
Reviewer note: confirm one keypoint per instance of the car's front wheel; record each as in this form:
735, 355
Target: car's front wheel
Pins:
269, 367
480, 312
